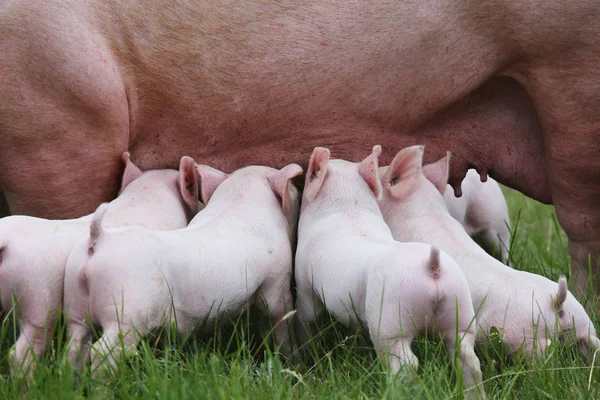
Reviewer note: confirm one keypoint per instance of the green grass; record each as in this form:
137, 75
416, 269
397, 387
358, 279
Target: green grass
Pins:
234, 363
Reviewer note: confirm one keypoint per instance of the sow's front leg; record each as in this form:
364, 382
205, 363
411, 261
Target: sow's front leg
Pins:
64, 118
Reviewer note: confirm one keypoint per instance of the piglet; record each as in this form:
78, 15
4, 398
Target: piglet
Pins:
348, 263
527, 309
34, 251
236, 253
483, 212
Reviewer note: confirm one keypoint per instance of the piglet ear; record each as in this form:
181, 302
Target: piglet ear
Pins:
317, 169
280, 182
210, 179
131, 173
188, 183
438, 173
369, 171
406, 164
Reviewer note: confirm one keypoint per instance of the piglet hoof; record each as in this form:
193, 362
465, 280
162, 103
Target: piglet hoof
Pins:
406, 375
475, 392
21, 369
295, 359
300, 356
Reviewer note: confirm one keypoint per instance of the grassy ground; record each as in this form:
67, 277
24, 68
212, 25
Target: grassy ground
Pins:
236, 364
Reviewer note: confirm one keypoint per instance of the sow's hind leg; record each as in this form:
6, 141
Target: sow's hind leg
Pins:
567, 97
64, 118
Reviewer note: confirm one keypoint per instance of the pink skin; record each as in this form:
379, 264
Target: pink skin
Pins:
529, 310
236, 253
348, 263
510, 87
32, 272
483, 212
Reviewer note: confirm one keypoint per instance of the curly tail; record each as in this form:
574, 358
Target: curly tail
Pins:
561, 295
96, 229
434, 263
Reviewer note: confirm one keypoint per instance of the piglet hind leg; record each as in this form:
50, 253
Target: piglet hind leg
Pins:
460, 346
308, 314
392, 331
117, 341
455, 322
276, 302
396, 353
392, 328
79, 341
28, 348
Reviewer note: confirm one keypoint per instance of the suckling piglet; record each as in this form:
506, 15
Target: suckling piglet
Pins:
34, 251
235, 253
527, 309
348, 263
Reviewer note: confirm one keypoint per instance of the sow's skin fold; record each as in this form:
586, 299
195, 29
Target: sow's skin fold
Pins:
235, 253
348, 262
35, 250
527, 309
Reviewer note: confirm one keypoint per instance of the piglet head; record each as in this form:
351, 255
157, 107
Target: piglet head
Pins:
406, 177
408, 187
335, 185
572, 321
210, 179
285, 190
161, 198
342, 174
